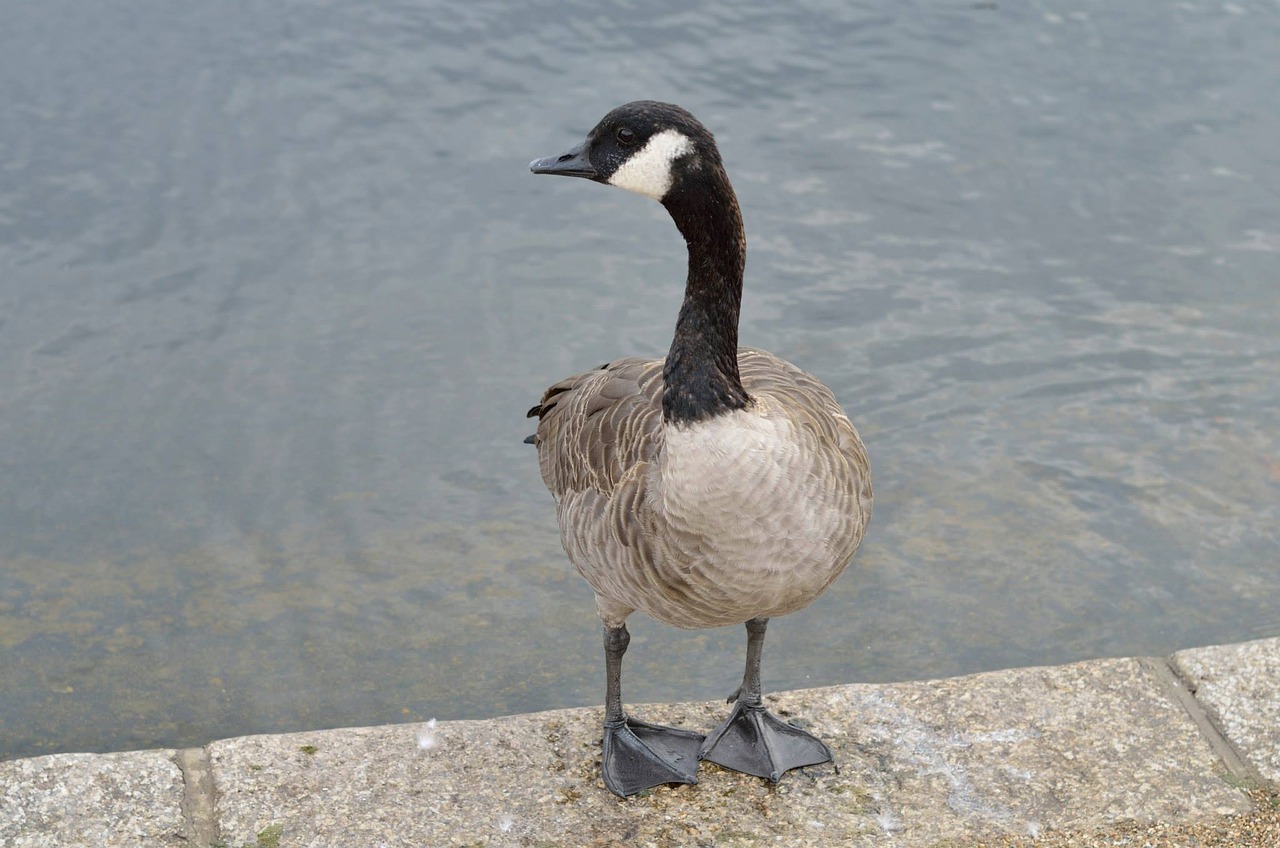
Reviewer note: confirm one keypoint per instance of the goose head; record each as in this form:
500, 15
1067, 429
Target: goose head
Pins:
647, 147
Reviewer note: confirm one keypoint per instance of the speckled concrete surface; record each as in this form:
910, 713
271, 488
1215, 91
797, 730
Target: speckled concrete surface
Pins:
1237, 685
1009, 757
1012, 752
98, 800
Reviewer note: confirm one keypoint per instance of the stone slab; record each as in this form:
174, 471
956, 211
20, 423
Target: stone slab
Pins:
1009, 752
1239, 685
130, 800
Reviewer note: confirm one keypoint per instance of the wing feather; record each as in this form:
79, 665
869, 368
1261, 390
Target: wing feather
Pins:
596, 426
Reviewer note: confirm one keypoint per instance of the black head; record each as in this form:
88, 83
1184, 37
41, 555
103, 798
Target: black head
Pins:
644, 146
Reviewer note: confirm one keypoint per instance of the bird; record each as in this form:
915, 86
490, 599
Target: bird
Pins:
720, 485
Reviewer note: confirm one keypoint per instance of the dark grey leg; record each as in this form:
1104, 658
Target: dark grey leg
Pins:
750, 690
753, 740
615, 645
638, 755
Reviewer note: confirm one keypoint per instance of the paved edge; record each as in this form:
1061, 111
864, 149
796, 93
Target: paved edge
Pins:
200, 794
1181, 691
1236, 685
197, 795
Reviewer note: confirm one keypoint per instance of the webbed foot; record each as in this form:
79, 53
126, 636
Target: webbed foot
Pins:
639, 755
754, 741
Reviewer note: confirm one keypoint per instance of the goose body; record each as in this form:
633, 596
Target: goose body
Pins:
747, 514
720, 485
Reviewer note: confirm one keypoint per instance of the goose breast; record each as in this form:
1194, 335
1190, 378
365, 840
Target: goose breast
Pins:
747, 514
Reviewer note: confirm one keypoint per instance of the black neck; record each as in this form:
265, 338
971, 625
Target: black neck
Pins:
701, 372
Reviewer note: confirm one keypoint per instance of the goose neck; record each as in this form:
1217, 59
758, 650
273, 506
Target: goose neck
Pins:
700, 376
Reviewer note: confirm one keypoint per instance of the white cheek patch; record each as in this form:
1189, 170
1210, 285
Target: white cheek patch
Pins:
648, 170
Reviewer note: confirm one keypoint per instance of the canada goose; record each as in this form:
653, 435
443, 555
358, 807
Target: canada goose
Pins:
719, 486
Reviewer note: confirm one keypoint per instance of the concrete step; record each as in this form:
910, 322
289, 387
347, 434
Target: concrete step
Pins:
1016, 752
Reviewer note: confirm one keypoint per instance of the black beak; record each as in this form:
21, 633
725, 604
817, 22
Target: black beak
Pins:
571, 164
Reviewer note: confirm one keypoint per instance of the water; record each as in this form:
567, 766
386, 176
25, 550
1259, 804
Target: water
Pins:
277, 290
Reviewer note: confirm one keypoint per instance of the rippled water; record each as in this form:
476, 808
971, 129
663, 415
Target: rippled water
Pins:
277, 290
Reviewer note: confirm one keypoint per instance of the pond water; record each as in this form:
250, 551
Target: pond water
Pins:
277, 289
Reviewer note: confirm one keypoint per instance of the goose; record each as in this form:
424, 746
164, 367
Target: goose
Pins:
720, 485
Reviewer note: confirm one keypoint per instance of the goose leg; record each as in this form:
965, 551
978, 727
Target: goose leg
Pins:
639, 755
753, 740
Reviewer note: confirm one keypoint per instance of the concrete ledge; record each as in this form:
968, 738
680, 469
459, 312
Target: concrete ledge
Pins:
107, 800
1238, 685
1008, 753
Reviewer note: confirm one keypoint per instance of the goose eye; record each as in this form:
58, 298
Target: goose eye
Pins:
626, 136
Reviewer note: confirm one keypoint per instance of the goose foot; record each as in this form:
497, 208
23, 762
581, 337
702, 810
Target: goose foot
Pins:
639, 755
754, 741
